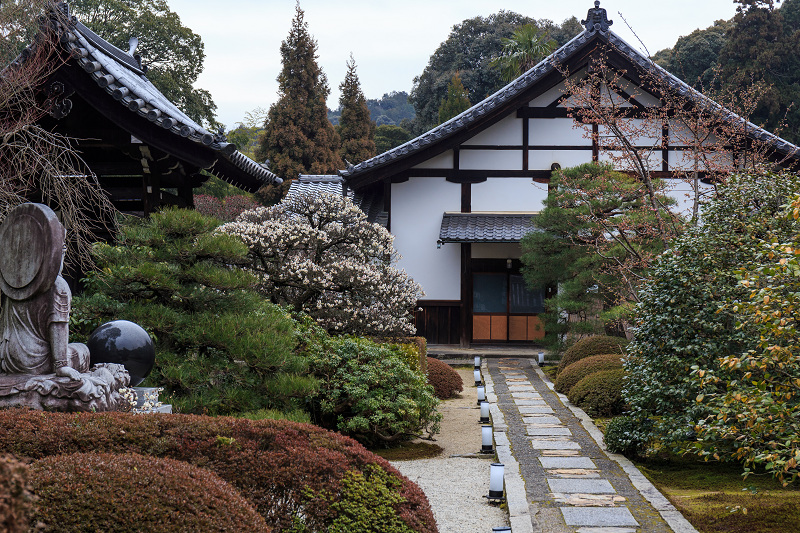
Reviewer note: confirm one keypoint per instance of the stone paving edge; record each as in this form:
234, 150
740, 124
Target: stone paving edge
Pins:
674, 519
516, 496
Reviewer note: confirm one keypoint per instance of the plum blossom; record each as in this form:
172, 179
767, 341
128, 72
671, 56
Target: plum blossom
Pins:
320, 255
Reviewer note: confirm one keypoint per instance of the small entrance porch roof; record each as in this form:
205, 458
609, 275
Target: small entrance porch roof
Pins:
486, 227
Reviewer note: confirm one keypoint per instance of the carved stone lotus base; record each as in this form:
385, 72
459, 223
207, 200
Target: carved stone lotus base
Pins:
97, 390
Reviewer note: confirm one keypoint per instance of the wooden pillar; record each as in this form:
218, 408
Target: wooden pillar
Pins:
466, 294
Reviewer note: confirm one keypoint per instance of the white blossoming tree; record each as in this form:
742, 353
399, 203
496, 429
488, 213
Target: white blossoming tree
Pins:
319, 254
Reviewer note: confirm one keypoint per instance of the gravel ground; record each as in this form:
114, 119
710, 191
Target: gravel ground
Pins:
454, 485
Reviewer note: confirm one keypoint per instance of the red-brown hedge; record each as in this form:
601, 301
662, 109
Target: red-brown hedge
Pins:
16, 498
445, 381
275, 464
130, 492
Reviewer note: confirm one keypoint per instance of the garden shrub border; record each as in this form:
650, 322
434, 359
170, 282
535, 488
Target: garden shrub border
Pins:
275, 464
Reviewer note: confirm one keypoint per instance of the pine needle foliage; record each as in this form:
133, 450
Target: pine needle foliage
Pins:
220, 347
356, 129
456, 101
298, 137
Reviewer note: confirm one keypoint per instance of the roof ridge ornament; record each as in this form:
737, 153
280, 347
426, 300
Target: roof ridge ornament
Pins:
597, 19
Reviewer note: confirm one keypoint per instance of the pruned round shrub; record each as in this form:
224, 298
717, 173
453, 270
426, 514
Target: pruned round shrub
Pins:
580, 369
625, 435
599, 394
282, 468
367, 392
130, 492
445, 380
16, 498
594, 345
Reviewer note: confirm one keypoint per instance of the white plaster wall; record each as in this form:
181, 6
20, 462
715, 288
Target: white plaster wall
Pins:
508, 194
547, 98
443, 160
542, 159
640, 132
496, 250
685, 160
417, 208
684, 194
490, 160
506, 132
557, 131
624, 161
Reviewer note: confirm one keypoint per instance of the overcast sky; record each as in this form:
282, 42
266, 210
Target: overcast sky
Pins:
390, 41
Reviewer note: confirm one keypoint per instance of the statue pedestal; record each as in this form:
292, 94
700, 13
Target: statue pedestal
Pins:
144, 394
96, 391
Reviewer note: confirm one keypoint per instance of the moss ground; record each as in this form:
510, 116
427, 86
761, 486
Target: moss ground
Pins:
715, 497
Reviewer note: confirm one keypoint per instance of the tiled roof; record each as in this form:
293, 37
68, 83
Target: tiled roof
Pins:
122, 77
371, 203
520, 85
486, 227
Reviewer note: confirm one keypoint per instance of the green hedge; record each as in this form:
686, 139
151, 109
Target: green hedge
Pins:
588, 346
578, 370
600, 394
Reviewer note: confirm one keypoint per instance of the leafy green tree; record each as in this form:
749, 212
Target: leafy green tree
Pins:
469, 50
456, 101
754, 396
682, 331
525, 48
762, 46
597, 242
388, 137
695, 57
172, 53
298, 138
356, 129
220, 347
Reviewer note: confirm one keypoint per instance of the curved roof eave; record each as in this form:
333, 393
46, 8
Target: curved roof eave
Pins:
120, 75
493, 102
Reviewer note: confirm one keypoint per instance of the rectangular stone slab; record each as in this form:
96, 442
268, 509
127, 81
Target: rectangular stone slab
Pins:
567, 462
598, 516
587, 486
534, 410
541, 420
542, 444
547, 432
530, 402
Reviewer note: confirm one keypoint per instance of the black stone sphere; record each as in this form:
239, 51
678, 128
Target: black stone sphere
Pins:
124, 343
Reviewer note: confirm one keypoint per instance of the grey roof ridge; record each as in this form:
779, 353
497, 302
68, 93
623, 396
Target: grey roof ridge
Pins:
468, 116
545, 66
119, 79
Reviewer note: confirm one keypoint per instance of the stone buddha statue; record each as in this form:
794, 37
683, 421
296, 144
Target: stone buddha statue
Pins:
35, 353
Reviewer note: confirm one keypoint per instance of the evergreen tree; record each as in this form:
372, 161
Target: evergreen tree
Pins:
523, 50
456, 101
298, 137
356, 129
763, 45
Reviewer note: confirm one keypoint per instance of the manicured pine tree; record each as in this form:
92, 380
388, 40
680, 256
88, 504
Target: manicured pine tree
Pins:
456, 101
356, 129
298, 138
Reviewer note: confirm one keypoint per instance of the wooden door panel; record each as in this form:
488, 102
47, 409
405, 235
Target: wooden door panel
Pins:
499, 328
517, 328
481, 327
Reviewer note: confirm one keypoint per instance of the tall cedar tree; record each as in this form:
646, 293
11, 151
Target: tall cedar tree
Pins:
356, 129
456, 101
298, 137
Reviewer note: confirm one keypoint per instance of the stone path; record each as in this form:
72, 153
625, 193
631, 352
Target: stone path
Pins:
558, 478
